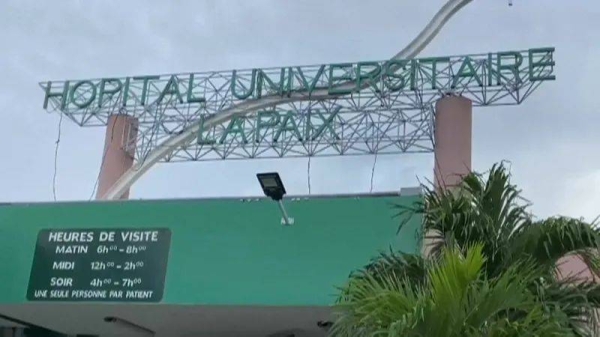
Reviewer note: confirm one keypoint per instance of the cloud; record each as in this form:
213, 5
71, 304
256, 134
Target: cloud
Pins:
581, 195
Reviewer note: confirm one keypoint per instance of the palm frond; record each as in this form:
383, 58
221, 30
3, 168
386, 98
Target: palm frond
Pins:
484, 208
391, 264
492, 271
456, 299
412, 267
579, 301
547, 241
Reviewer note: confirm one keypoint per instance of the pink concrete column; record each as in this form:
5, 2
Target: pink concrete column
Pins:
453, 125
117, 158
572, 266
452, 150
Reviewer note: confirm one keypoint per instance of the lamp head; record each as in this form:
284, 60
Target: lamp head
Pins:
271, 185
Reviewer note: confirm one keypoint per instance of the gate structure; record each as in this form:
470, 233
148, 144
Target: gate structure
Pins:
401, 105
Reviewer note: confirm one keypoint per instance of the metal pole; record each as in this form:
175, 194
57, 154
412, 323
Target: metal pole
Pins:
189, 134
284, 213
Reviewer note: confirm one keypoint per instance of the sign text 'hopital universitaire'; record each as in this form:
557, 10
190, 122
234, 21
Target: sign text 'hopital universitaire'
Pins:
396, 75
508, 68
113, 265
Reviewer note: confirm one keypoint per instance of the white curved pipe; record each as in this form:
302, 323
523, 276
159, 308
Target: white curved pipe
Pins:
189, 134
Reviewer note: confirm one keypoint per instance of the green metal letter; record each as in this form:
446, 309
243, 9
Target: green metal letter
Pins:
514, 68
490, 70
89, 100
190, 93
172, 88
262, 78
272, 122
146, 79
392, 81
466, 70
327, 123
346, 77
111, 92
290, 81
63, 95
371, 76
289, 116
126, 91
236, 125
413, 74
202, 140
434, 61
546, 61
249, 92
314, 82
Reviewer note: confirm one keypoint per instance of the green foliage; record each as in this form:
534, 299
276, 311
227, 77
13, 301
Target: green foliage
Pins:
492, 271
455, 299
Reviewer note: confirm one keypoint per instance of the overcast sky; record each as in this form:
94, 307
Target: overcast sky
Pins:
551, 139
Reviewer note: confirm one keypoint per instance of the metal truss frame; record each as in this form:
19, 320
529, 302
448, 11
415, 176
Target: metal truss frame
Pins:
373, 119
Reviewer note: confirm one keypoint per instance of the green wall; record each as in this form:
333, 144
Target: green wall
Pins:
227, 251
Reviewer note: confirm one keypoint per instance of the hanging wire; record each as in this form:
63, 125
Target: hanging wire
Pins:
373, 172
56, 157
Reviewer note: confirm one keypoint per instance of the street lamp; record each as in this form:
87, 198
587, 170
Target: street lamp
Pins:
273, 188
